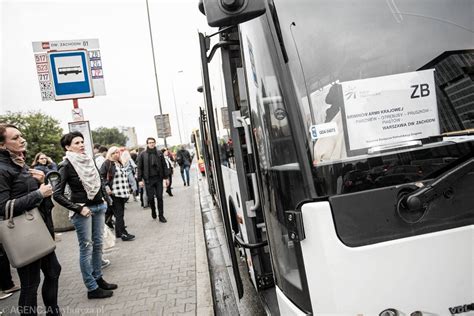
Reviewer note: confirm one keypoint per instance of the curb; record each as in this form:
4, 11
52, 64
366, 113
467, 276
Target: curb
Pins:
205, 303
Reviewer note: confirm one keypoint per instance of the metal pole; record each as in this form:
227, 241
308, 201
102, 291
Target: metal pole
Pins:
176, 111
156, 75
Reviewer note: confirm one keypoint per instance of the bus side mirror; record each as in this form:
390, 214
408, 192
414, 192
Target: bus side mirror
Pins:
231, 12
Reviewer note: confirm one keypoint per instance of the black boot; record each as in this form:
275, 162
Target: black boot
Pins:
106, 286
99, 293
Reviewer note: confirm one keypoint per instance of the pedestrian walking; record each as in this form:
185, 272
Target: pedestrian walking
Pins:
26, 186
184, 161
169, 166
88, 206
117, 186
151, 171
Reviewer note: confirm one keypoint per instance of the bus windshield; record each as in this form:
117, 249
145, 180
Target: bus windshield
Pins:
377, 83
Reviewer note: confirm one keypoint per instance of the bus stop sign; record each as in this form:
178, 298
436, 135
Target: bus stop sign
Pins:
70, 74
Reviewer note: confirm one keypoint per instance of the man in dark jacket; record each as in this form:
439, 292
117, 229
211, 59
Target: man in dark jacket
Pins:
150, 173
184, 160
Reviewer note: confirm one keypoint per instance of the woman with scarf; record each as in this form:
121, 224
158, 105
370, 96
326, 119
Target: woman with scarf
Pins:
117, 186
87, 206
27, 187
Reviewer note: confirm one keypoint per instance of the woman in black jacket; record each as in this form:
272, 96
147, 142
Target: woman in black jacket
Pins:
26, 186
87, 204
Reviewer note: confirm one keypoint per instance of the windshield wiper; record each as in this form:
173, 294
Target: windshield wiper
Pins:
418, 199
466, 132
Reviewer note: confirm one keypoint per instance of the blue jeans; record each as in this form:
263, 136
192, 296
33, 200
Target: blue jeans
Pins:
89, 232
185, 173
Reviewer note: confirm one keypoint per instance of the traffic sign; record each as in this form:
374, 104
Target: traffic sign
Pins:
163, 125
70, 74
44, 68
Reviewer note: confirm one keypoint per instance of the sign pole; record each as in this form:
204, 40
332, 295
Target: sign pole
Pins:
75, 103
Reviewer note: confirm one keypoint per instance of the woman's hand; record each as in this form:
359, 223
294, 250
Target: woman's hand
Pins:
37, 174
86, 212
46, 190
107, 189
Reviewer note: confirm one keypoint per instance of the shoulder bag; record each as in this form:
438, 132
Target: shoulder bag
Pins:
25, 238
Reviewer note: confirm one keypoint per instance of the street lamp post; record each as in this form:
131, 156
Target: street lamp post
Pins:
156, 75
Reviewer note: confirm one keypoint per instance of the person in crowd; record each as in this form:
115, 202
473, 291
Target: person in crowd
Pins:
131, 170
99, 157
169, 166
27, 187
44, 163
184, 161
117, 186
87, 203
202, 166
151, 171
95, 150
140, 191
7, 285
223, 153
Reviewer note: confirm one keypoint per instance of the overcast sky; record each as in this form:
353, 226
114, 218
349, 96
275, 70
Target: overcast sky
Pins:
122, 29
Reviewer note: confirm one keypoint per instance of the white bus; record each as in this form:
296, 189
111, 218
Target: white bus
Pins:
352, 128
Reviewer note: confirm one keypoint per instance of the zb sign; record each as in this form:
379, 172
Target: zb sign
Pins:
420, 90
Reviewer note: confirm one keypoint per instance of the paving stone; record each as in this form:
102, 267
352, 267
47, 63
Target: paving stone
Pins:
156, 272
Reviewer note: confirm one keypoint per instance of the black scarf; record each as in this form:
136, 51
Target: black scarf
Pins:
152, 156
153, 165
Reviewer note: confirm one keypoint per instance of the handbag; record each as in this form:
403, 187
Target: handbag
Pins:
108, 238
25, 238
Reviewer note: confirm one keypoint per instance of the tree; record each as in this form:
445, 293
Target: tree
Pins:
109, 137
41, 131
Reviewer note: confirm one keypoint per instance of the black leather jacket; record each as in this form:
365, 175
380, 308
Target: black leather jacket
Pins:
78, 194
17, 183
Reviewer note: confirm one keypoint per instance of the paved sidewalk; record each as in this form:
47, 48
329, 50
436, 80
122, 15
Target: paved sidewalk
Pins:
158, 273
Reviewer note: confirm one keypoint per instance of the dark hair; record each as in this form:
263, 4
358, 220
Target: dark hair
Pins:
67, 138
103, 149
150, 138
3, 129
97, 146
164, 149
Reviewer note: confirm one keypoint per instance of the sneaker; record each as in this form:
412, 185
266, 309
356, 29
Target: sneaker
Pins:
106, 286
99, 293
163, 219
105, 263
126, 237
4, 295
128, 234
12, 290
